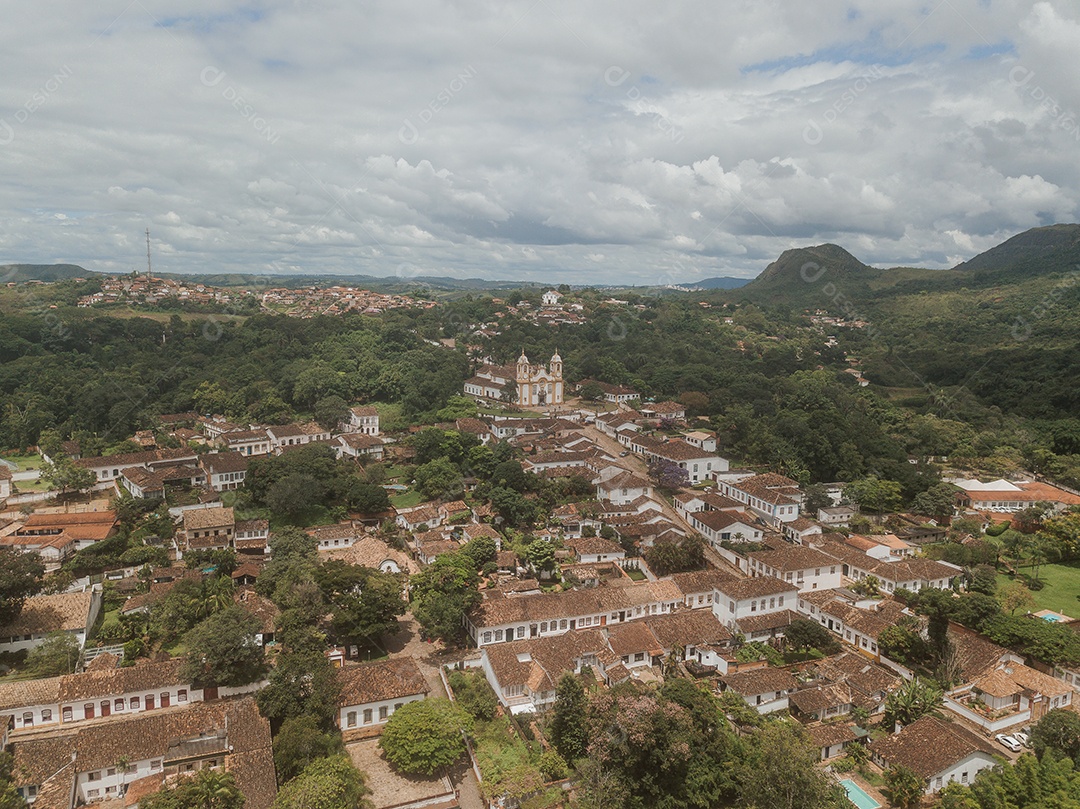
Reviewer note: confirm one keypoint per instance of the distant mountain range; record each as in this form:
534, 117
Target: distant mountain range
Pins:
811, 276
797, 276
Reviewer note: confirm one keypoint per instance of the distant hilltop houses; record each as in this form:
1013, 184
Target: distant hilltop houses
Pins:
303, 302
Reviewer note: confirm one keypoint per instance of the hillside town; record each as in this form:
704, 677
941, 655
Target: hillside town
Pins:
147, 290
658, 561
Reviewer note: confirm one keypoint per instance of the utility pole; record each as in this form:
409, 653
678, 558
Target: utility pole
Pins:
148, 253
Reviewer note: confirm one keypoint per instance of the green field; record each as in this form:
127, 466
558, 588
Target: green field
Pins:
1061, 591
407, 500
24, 462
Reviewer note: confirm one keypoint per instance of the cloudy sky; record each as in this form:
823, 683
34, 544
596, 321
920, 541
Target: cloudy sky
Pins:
549, 140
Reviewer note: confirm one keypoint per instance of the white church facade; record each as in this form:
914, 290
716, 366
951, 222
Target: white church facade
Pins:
537, 385
524, 384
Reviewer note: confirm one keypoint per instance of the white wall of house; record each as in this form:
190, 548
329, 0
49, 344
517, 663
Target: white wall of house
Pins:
963, 772
34, 715
96, 785
729, 610
135, 702
370, 714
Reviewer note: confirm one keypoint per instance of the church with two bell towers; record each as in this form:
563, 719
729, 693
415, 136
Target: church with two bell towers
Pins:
537, 385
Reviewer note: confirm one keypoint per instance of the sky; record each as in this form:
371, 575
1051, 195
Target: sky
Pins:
543, 140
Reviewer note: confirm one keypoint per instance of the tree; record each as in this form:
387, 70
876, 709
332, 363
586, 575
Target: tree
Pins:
58, 654
330, 412
540, 554
956, 796
365, 602
206, 789
481, 550
592, 392
804, 634
569, 732
438, 479
665, 558
64, 475
1058, 731
914, 699
902, 644
425, 736
1015, 595
906, 789
874, 494
222, 650
782, 772
20, 578
815, 497
937, 501
298, 743
302, 683
293, 495
668, 474
443, 593
367, 498
982, 579
329, 783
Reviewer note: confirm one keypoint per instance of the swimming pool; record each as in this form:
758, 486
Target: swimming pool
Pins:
857, 796
1052, 618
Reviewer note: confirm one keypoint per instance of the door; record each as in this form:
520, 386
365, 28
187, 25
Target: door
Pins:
106, 708
210, 692
165, 699
149, 702
88, 710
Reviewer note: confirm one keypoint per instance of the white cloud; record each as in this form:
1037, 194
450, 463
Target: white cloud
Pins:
580, 142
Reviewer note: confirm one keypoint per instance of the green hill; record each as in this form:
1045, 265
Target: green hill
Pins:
1032, 252
20, 273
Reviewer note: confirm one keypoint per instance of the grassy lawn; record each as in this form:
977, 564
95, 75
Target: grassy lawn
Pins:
635, 574
407, 500
31, 485
24, 462
1061, 590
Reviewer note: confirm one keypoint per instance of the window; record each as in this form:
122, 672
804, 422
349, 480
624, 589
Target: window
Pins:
753, 606
487, 637
772, 603
93, 793
118, 705
780, 602
350, 719
963, 778
937, 782
181, 695
66, 715
111, 772
134, 704
382, 713
31, 791
398, 705
367, 716
94, 776
498, 634
28, 719
155, 765
521, 631
543, 626
46, 714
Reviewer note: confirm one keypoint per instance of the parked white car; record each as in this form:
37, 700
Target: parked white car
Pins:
1023, 738
1010, 742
